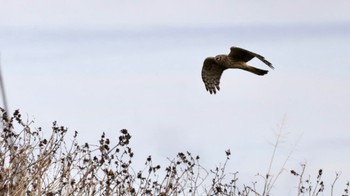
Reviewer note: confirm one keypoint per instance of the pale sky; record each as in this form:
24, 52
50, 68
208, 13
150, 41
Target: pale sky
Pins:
119, 14
106, 65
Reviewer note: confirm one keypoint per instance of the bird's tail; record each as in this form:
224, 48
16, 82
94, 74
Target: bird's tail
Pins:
256, 71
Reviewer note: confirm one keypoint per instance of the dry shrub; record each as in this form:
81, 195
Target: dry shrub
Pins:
33, 165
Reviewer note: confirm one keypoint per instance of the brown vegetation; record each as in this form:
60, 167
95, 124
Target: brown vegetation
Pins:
33, 165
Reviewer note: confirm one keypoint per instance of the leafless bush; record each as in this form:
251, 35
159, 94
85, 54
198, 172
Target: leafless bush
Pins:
33, 165
309, 187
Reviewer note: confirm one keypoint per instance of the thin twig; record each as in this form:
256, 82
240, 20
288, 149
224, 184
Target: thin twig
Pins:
267, 183
337, 174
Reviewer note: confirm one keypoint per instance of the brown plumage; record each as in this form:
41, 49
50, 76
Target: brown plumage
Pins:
237, 59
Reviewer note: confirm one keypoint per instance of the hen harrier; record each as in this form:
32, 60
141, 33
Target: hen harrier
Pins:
238, 58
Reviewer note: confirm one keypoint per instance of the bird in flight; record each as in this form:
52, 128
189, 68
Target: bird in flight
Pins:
237, 59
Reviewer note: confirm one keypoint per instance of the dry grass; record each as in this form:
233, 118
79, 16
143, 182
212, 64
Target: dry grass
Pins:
33, 165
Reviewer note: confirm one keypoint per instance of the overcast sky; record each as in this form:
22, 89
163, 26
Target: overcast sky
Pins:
116, 14
106, 65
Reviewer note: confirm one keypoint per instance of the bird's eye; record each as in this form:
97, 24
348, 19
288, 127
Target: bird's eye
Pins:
217, 58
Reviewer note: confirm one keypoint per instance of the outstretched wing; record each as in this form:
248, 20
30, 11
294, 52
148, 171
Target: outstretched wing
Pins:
211, 74
246, 55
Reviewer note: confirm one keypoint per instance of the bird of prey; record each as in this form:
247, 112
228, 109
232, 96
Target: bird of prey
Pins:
237, 59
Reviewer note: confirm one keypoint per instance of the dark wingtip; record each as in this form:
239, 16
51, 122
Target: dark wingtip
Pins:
264, 72
212, 91
268, 64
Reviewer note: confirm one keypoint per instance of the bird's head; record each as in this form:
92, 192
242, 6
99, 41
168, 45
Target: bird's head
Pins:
220, 58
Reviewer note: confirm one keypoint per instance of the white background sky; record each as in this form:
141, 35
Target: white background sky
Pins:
106, 65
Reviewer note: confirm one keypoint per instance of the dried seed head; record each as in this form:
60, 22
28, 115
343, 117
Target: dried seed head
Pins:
124, 131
